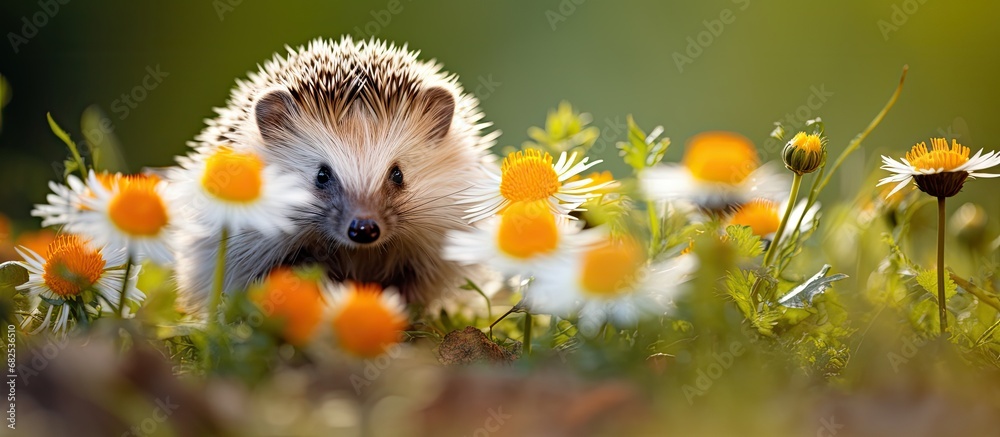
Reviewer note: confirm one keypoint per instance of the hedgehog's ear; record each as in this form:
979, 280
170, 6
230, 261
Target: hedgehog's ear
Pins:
439, 109
275, 112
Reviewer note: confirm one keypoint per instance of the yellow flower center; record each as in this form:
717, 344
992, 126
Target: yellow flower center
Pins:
939, 157
136, 208
365, 326
760, 215
71, 266
295, 300
722, 157
528, 175
810, 143
527, 229
233, 176
611, 268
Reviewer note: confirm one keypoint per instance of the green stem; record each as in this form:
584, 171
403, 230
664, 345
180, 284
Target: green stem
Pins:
214, 337
856, 142
220, 276
527, 334
942, 300
772, 248
124, 291
654, 226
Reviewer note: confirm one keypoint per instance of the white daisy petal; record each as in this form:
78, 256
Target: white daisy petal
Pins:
527, 172
59, 295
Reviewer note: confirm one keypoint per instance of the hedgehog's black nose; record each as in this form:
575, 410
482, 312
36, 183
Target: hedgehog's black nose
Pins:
363, 231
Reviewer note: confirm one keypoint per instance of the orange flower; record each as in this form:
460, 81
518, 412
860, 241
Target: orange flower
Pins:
293, 300
367, 320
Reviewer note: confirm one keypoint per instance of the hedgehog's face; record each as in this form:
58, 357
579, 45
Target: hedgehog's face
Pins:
373, 176
355, 216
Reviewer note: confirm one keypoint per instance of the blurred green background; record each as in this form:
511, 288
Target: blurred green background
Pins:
607, 58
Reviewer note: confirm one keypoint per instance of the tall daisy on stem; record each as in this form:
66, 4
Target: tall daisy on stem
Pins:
803, 154
940, 171
232, 190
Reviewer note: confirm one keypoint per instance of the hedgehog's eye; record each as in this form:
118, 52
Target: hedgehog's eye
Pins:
396, 175
323, 176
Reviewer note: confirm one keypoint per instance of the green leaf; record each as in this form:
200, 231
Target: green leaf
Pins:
12, 274
60, 132
747, 244
469, 285
105, 149
70, 166
565, 131
928, 280
738, 285
79, 165
802, 295
987, 334
642, 151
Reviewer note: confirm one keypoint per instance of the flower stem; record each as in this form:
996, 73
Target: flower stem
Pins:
220, 276
527, 334
942, 300
771, 248
856, 142
654, 226
124, 291
214, 339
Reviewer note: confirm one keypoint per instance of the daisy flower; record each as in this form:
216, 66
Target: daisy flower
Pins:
234, 189
367, 320
764, 216
124, 211
940, 171
64, 202
530, 175
295, 301
609, 281
719, 171
514, 241
75, 272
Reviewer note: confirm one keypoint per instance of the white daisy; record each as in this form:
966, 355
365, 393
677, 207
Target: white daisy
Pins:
610, 281
719, 170
64, 202
366, 319
763, 217
514, 242
236, 190
126, 211
72, 273
529, 176
940, 171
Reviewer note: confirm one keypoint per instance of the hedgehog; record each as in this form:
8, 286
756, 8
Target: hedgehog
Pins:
385, 143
